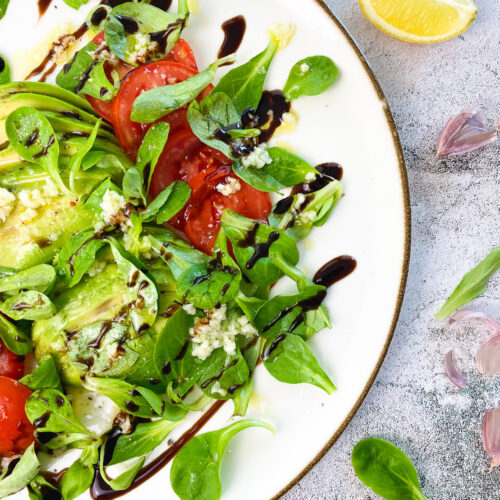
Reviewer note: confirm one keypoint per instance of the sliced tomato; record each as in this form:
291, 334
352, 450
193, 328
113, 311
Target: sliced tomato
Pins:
11, 365
183, 54
203, 168
16, 431
150, 76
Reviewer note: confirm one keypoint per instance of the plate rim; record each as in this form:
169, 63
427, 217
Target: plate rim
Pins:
406, 251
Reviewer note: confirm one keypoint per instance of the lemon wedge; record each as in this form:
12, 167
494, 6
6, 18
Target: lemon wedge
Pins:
420, 21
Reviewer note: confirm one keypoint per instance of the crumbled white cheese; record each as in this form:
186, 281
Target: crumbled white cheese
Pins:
99, 226
282, 33
53, 236
310, 176
96, 268
189, 308
289, 118
308, 217
103, 53
258, 158
6, 203
304, 68
112, 204
32, 199
216, 330
299, 200
143, 46
28, 215
231, 186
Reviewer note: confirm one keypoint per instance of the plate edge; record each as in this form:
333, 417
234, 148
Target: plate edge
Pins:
406, 252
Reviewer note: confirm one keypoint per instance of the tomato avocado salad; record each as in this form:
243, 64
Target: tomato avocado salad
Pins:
139, 243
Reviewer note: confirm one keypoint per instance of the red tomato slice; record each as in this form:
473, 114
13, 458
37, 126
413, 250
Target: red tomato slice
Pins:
11, 365
182, 53
150, 76
203, 168
16, 431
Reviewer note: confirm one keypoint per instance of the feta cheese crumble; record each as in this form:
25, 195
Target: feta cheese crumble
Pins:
217, 330
282, 33
310, 176
143, 46
6, 203
231, 186
304, 68
189, 308
31, 199
308, 217
258, 158
112, 204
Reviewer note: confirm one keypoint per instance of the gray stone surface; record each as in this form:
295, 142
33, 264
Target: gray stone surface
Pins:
455, 223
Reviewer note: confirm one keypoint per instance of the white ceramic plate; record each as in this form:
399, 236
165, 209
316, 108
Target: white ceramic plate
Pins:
349, 124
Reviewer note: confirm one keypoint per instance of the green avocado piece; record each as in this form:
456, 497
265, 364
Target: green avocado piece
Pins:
45, 89
96, 298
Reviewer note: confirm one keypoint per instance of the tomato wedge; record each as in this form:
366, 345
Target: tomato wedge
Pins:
183, 54
11, 365
16, 431
204, 168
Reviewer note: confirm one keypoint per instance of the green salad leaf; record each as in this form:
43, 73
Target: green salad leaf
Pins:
39, 488
124, 480
78, 478
4, 66
15, 339
32, 137
76, 4
168, 203
44, 376
30, 305
26, 469
195, 469
310, 76
160, 101
386, 470
473, 284
40, 277
3, 7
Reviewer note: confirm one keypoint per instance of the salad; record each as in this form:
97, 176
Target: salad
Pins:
144, 220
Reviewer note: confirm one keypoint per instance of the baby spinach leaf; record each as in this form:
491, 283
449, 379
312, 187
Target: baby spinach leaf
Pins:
288, 359
32, 137
386, 470
101, 349
125, 395
224, 375
26, 469
4, 67
195, 469
297, 214
310, 76
56, 425
76, 4
209, 115
14, 338
44, 376
78, 478
206, 285
473, 284
244, 84
145, 438
124, 480
160, 101
154, 32
28, 305
141, 290
168, 203
252, 245
40, 277
84, 75
76, 160
151, 148
78, 254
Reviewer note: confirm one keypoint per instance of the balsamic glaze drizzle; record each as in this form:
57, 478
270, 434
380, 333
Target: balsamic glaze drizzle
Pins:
335, 270
43, 5
234, 30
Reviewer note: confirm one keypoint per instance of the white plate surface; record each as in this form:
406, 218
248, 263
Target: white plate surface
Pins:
348, 124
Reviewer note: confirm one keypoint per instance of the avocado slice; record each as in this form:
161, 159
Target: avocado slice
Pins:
97, 298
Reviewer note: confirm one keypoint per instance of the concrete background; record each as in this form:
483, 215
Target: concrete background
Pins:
455, 224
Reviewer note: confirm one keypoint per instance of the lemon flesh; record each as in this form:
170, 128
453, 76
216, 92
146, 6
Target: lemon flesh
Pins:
420, 21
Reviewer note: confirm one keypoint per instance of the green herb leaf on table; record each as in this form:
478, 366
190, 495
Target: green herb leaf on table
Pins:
30, 305
4, 66
144, 439
195, 469
386, 470
244, 84
157, 32
32, 137
84, 75
44, 376
56, 425
310, 76
26, 469
40, 277
14, 338
160, 101
168, 203
288, 359
473, 284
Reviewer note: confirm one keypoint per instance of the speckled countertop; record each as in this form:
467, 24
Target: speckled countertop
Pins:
455, 210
